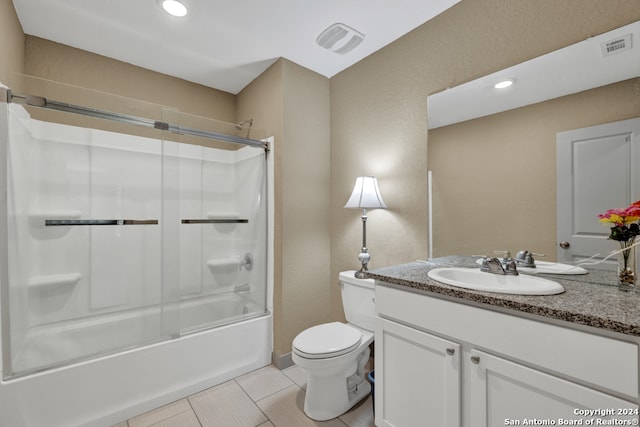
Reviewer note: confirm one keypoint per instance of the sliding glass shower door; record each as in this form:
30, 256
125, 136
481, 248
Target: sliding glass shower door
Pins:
121, 238
221, 209
84, 241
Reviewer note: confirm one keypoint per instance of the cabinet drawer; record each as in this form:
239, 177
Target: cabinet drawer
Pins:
602, 362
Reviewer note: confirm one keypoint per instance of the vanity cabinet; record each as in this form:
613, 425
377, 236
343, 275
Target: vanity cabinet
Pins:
444, 363
419, 379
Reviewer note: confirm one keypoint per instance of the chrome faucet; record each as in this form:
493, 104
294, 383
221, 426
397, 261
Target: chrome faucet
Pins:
494, 266
525, 259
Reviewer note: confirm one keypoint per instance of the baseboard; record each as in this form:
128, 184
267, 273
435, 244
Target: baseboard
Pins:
283, 362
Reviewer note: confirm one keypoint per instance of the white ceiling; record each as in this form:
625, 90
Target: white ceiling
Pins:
223, 44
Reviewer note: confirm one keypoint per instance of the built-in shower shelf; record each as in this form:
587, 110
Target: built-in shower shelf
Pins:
40, 215
226, 217
223, 263
54, 281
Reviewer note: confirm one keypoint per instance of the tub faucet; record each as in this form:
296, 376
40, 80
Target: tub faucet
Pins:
494, 266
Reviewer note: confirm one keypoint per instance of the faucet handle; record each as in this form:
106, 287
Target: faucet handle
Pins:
511, 269
523, 253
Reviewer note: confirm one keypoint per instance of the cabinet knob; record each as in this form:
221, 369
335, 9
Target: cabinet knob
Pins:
564, 245
451, 351
475, 359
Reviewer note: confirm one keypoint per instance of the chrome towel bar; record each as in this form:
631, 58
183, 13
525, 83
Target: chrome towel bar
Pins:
72, 222
215, 221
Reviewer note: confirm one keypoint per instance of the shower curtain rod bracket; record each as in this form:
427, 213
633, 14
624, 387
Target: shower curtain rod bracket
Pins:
36, 101
161, 125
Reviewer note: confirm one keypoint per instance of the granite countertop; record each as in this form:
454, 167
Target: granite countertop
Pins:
591, 299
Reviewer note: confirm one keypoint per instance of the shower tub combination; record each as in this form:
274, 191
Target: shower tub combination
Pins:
135, 267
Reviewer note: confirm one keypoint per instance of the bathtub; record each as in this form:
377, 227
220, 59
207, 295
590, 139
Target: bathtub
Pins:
108, 389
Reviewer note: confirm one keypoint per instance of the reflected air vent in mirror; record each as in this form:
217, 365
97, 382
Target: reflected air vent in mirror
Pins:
616, 46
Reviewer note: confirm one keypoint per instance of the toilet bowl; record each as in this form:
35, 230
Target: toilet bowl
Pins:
334, 354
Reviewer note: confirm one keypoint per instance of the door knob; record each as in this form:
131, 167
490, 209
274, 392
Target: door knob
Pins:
565, 245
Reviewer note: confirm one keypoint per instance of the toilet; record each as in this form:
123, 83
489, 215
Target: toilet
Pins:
334, 354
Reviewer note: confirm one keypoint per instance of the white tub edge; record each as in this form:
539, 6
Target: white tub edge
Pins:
105, 391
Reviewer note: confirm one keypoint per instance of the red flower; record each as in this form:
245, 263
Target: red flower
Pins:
625, 222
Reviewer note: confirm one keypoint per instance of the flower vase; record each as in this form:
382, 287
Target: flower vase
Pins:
627, 266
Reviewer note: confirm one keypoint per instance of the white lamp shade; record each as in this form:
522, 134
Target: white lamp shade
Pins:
366, 194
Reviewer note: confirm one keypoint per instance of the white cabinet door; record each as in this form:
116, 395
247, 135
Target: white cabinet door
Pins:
417, 378
507, 393
597, 169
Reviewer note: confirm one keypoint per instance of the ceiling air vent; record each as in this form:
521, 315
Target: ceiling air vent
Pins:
340, 38
617, 45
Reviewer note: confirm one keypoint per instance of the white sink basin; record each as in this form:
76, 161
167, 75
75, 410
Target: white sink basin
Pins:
471, 278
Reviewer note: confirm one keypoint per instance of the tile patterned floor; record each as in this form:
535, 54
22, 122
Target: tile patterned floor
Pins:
267, 397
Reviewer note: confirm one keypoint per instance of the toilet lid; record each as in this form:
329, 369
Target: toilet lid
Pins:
327, 340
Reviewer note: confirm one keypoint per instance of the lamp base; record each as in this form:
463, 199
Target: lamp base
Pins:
364, 259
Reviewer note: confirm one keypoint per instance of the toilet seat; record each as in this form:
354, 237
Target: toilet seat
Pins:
327, 340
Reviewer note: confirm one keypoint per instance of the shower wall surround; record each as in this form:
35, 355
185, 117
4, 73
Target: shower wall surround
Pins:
116, 241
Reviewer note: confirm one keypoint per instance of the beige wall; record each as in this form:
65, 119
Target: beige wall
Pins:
11, 42
65, 64
306, 202
293, 103
378, 113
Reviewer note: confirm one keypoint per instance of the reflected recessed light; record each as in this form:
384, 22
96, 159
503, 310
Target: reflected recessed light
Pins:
504, 83
173, 7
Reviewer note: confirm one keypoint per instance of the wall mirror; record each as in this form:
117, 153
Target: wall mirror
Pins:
493, 153
598, 61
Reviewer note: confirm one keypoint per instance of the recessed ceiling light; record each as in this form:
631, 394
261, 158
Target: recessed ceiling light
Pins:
173, 7
504, 83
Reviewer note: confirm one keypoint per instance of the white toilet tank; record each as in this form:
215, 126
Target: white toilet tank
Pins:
358, 300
